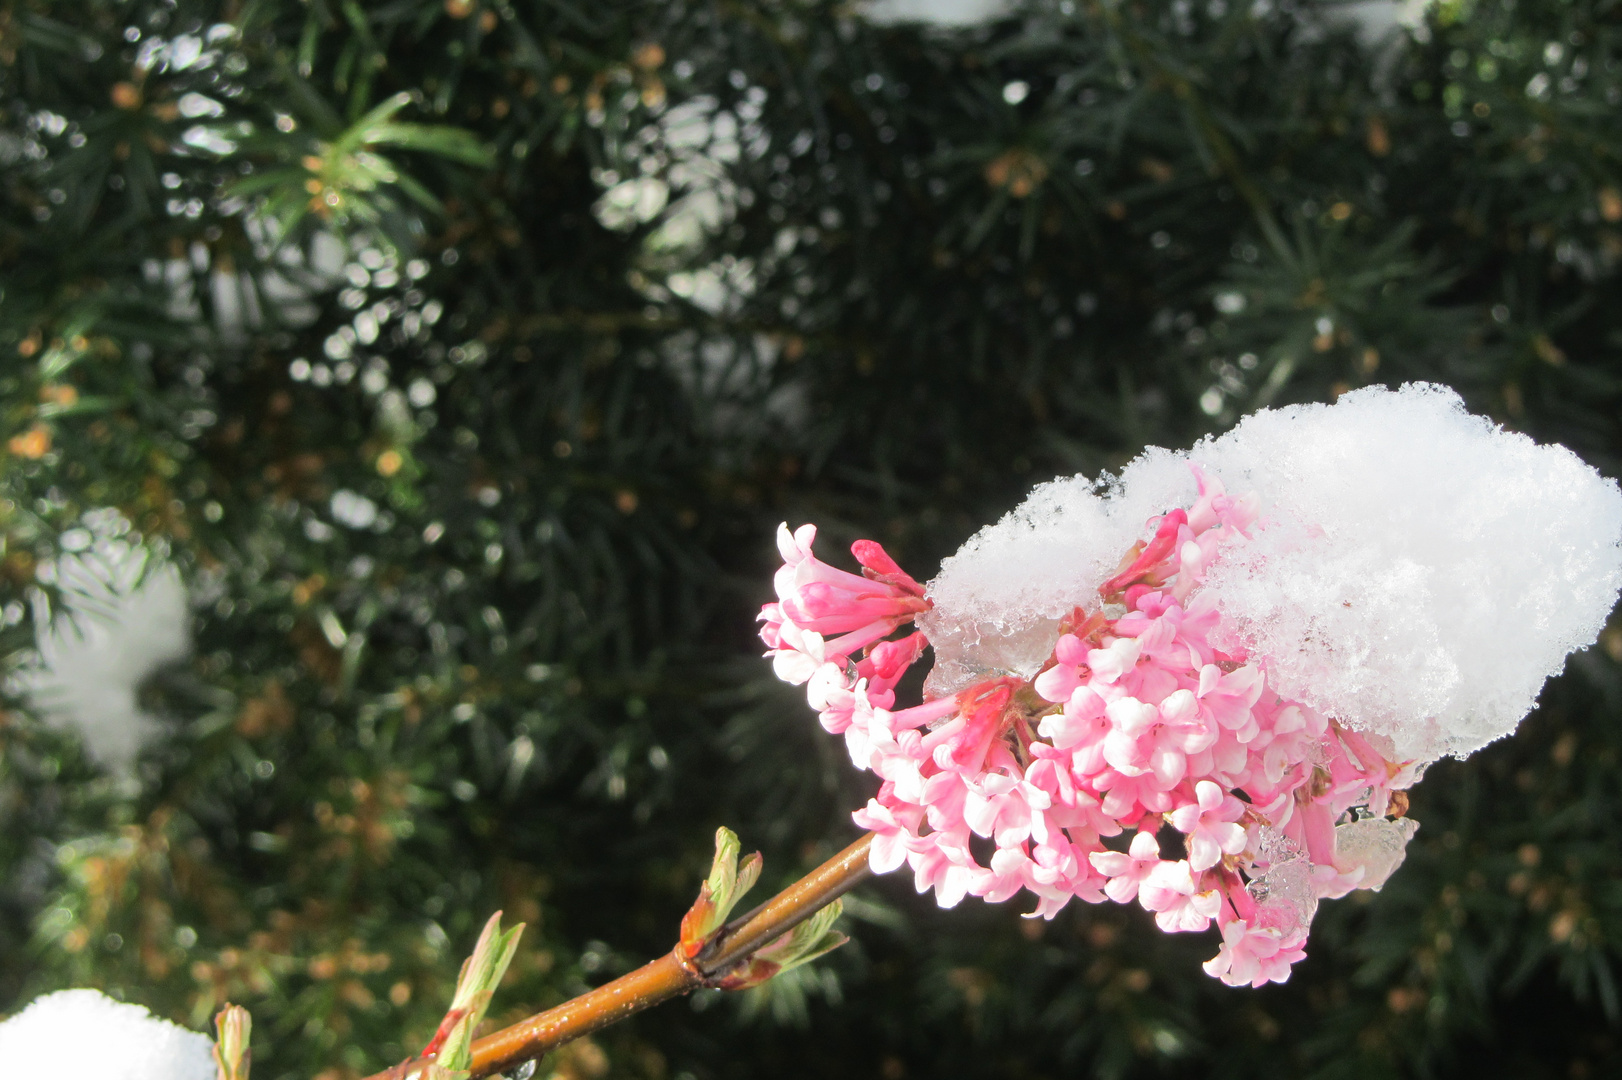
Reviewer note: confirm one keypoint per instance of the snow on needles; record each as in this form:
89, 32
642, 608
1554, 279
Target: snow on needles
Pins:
83, 1034
1416, 572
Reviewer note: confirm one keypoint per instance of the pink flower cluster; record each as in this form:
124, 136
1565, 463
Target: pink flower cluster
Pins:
1243, 808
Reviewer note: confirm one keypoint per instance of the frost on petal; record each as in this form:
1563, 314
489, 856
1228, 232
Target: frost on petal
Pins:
1286, 895
1374, 846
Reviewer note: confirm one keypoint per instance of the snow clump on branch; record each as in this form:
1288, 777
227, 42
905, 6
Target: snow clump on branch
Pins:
1260, 643
84, 1033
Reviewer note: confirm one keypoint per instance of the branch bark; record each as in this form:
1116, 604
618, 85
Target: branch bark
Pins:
669, 976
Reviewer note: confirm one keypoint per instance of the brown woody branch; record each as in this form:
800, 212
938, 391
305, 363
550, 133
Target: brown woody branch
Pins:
670, 975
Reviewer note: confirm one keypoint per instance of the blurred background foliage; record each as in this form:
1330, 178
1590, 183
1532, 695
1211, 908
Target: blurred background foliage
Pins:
463, 355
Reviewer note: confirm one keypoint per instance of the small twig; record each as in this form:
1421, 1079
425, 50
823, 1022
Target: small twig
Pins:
669, 976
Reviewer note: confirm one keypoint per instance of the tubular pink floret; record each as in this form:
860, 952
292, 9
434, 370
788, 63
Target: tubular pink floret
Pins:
815, 600
821, 607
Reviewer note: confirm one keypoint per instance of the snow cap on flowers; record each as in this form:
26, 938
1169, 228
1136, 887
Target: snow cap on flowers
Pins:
1416, 572
1258, 643
79, 1034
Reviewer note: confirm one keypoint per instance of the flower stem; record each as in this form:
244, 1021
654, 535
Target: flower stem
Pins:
668, 976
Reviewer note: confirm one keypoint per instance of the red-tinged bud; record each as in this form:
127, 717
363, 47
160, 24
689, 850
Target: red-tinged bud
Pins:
1084, 625
888, 660
1163, 544
696, 924
442, 1033
233, 1026
877, 564
728, 881
747, 976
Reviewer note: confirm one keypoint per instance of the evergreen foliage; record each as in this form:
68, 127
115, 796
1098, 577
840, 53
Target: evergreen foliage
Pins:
464, 355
